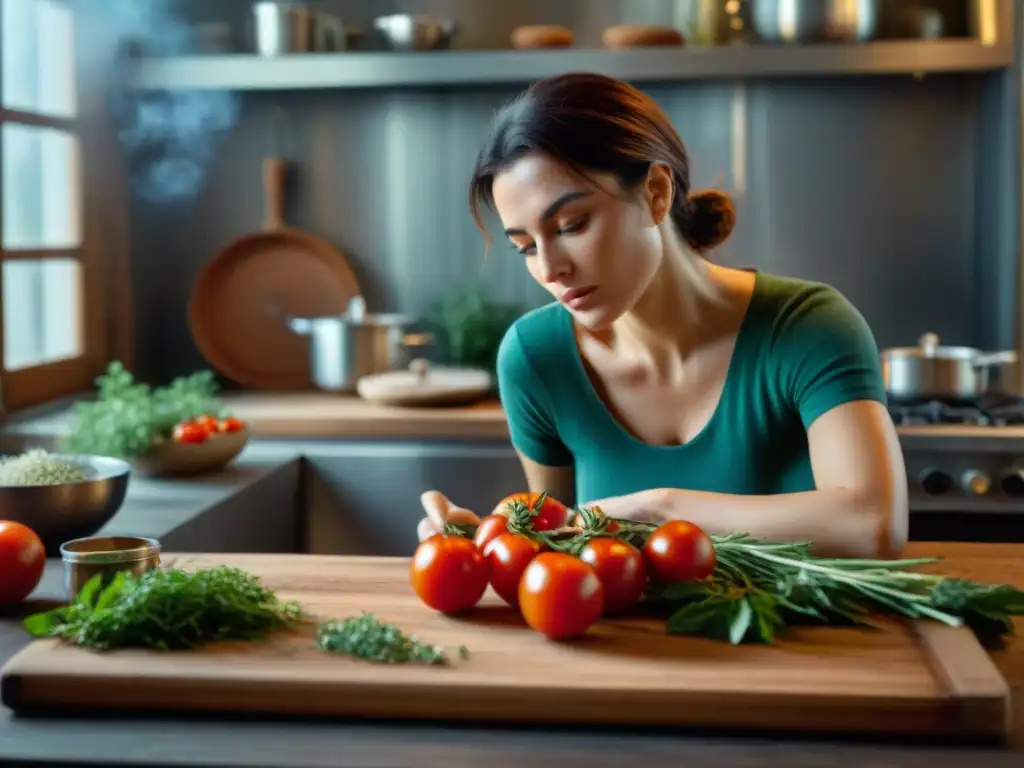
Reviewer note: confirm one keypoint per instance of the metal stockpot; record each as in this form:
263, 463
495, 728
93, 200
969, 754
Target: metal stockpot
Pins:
344, 348
933, 372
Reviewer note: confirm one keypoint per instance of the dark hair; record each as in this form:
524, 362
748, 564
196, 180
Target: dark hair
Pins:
598, 124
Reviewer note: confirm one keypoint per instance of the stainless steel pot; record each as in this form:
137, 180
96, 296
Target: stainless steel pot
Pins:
410, 32
930, 371
344, 348
814, 21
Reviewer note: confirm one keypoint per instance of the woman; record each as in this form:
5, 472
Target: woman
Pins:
659, 385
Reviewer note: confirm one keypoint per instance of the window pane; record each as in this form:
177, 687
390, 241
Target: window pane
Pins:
40, 187
37, 57
41, 304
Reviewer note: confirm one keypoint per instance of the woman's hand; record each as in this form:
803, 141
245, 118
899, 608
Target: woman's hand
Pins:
642, 507
439, 511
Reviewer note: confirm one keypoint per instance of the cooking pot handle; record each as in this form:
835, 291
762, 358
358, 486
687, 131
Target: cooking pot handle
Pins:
988, 359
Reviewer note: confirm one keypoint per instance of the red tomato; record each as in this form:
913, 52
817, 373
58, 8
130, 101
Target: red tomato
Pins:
22, 559
190, 432
209, 423
231, 424
507, 557
449, 573
679, 551
490, 528
560, 596
552, 514
620, 567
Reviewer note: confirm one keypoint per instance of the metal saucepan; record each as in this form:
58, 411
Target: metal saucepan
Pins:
814, 21
933, 372
344, 348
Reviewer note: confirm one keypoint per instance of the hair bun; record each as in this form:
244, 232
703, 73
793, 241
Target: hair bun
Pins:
712, 219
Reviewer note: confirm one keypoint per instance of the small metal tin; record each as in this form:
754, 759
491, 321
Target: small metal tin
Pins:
84, 558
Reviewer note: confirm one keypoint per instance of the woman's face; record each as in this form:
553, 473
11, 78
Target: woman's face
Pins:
595, 248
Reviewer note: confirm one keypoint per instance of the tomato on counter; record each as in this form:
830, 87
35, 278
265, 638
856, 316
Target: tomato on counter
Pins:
679, 551
22, 559
551, 515
560, 596
449, 573
507, 557
620, 567
489, 529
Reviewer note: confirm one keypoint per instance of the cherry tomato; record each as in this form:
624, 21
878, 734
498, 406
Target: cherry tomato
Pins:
620, 567
209, 423
507, 557
679, 551
22, 559
552, 514
560, 596
449, 573
231, 424
190, 432
489, 528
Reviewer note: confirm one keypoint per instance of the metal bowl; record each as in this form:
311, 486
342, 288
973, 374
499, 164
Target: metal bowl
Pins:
59, 513
814, 21
406, 32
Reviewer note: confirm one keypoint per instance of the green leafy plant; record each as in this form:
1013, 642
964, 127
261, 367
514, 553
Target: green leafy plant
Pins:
473, 326
168, 609
128, 418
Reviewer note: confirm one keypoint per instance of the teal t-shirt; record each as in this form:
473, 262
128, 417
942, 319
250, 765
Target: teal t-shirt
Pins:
802, 349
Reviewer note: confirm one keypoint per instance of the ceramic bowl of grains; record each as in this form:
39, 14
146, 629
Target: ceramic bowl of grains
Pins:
61, 496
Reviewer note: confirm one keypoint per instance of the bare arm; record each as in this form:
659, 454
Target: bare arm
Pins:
859, 507
559, 482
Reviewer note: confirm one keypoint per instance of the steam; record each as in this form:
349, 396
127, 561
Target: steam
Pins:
170, 136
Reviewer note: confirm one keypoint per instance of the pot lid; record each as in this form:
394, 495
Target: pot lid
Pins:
425, 384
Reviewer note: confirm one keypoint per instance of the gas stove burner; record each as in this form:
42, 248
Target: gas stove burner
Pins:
992, 411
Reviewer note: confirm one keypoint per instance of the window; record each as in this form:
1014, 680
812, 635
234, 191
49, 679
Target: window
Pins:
45, 350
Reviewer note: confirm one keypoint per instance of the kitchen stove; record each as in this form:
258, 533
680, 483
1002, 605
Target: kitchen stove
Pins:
965, 467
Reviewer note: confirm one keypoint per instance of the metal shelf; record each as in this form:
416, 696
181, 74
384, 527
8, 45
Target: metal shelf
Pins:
246, 72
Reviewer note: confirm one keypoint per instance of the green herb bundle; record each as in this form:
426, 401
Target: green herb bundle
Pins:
367, 637
168, 609
128, 417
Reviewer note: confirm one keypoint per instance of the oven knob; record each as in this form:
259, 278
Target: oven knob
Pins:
1013, 483
975, 482
935, 481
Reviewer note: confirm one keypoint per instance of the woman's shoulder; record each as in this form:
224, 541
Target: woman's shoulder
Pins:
536, 338
795, 307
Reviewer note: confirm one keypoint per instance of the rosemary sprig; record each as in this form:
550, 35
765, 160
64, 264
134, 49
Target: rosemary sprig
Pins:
367, 637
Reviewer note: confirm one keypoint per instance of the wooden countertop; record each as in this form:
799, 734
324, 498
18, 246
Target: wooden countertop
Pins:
209, 741
320, 414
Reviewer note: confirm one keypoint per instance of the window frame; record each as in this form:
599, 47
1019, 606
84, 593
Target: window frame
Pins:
104, 310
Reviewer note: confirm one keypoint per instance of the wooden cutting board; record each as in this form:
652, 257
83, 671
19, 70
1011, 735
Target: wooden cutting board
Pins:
914, 678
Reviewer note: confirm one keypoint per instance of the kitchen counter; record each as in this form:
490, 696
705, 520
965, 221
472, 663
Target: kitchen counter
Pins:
309, 415
114, 742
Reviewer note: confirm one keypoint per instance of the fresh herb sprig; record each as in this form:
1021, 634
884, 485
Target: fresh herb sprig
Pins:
168, 609
128, 417
760, 588
367, 637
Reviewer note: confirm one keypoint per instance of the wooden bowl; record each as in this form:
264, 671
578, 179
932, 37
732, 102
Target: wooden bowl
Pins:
171, 458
